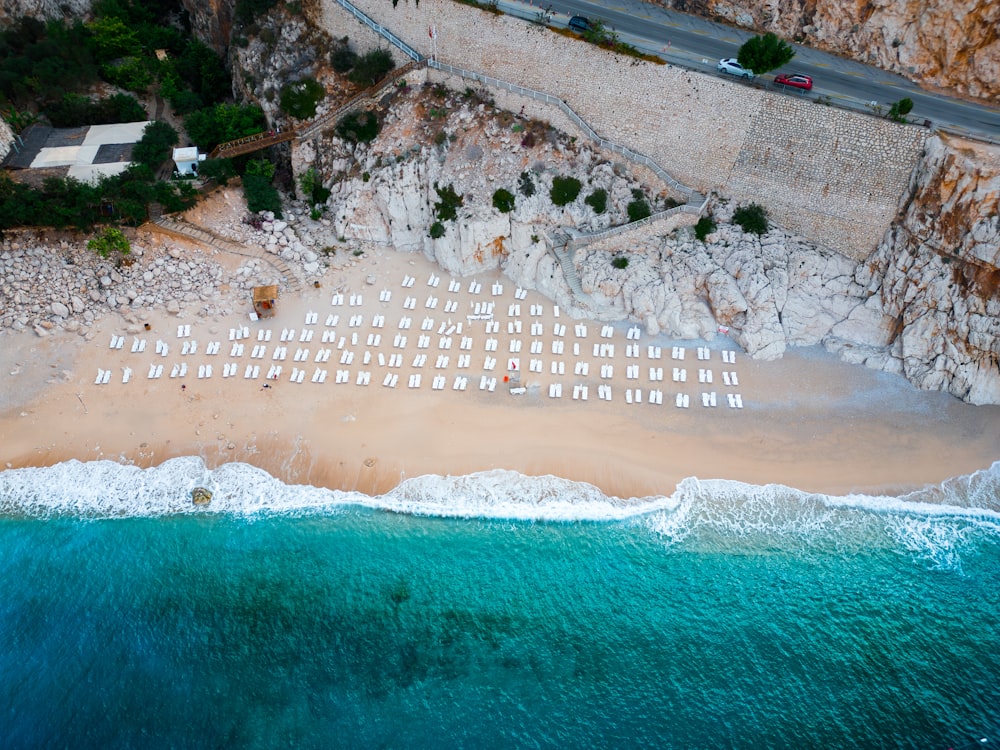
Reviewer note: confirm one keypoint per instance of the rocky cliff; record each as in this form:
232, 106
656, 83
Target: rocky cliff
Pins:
933, 310
43, 9
954, 45
925, 304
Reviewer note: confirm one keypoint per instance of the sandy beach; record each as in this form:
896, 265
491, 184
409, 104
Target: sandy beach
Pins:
808, 421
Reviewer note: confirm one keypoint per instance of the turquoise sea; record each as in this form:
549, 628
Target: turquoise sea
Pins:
494, 610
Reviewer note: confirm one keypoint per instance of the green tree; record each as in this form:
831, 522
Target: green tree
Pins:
112, 241
112, 38
620, 261
260, 194
299, 99
371, 68
220, 170
763, 53
155, 146
564, 190
436, 231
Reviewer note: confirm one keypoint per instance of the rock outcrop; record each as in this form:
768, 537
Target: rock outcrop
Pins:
925, 304
933, 313
954, 46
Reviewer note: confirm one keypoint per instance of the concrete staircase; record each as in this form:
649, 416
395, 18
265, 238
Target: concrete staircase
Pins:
288, 280
559, 247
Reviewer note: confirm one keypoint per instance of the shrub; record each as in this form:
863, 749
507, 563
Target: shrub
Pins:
503, 201
112, 241
899, 110
564, 190
598, 200
224, 122
704, 227
620, 262
260, 194
437, 230
299, 99
638, 209
260, 167
130, 73
220, 170
446, 209
75, 110
525, 185
370, 68
157, 140
358, 127
342, 57
247, 10
312, 188
753, 218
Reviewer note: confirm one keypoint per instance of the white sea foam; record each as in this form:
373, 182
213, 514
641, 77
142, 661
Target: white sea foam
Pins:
109, 489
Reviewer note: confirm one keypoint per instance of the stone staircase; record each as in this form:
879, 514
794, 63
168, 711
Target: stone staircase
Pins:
559, 247
288, 280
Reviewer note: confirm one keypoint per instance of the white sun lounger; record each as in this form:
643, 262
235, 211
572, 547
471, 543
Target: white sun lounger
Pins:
460, 383
414, 380
419, 360
390, 380
555, 390
490, 363
343, 376
442, 362
395, 360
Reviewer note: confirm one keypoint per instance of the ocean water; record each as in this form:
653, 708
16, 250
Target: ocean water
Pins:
494, 610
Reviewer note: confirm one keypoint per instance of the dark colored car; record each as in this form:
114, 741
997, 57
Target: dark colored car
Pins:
795, 80
579, 23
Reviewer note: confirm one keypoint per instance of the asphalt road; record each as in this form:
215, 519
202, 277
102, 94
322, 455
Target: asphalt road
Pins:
697, 43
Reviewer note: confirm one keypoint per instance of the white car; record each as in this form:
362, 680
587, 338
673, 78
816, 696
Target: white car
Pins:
731, 65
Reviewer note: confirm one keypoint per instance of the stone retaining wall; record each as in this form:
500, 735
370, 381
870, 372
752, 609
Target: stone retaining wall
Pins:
831, 175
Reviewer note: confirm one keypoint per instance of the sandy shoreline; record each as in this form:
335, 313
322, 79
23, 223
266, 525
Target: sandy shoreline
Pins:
808, 421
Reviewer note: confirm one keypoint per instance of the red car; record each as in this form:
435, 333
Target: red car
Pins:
795, 80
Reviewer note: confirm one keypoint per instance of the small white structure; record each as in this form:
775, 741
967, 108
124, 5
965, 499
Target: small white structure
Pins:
186, 160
